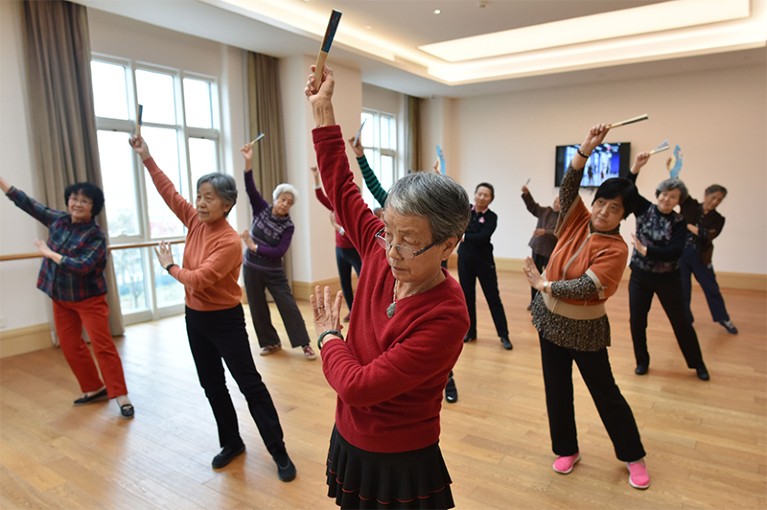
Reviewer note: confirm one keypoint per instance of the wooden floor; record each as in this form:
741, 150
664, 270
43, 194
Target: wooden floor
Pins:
706, 441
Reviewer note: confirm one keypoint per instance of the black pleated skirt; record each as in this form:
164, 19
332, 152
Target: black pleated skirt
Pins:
360, 479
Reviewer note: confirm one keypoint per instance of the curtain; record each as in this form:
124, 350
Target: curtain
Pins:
264, 107
413, 129
62, 116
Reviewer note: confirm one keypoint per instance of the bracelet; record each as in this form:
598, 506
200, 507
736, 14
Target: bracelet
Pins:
167, 268
581, 154
321, 339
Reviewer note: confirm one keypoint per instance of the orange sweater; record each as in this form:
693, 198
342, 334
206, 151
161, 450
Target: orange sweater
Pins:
212, 255
579, 251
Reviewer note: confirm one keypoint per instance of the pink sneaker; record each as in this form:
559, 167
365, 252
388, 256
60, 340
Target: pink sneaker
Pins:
564, 464
639, 478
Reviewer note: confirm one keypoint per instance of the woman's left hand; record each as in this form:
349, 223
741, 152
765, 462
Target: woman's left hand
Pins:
534, 278
642, 249
164, 255
326, 310
46, 252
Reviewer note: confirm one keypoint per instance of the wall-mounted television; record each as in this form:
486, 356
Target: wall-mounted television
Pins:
606, 161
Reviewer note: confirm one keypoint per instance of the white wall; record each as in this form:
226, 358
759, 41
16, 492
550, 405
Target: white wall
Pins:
717, 117
21, 304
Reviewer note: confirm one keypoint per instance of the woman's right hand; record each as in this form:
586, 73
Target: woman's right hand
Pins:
594, 137
641, 160
140, 146
4, 186
247, 153
357, 147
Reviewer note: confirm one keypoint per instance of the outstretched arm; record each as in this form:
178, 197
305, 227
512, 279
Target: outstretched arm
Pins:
177, 203
371, 181
568, 190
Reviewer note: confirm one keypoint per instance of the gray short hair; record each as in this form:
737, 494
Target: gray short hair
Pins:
285, 188
438, 198
672, 184
224, 186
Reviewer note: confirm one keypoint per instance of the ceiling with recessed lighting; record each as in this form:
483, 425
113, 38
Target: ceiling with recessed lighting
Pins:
480, 46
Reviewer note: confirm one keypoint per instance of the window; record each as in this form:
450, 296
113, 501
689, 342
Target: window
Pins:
379, 137
180, 126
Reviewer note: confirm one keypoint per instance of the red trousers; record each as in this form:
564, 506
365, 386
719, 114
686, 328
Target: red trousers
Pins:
93, 313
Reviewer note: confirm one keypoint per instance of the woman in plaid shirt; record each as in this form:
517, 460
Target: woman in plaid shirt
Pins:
72, 274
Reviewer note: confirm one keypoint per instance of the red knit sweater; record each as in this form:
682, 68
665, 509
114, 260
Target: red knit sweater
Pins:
389, 373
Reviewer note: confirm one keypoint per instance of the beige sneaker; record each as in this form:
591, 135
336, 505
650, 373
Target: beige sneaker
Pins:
270, 349
309, 353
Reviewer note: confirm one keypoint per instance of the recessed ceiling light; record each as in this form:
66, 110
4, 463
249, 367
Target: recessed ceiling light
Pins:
437, 11
368, 27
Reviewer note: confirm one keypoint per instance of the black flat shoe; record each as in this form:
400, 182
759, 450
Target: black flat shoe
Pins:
127, 411
89, 399
451, 392
227, 455
729, 326
641, 369
506, 343
469, 338
286, 472
702, 373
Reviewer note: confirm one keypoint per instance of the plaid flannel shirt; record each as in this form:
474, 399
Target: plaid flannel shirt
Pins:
83, 247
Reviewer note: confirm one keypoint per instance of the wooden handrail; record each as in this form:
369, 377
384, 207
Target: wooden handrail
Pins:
126, 246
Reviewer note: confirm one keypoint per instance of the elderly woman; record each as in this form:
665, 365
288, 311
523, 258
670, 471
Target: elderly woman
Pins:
658, 244
475, 262
267, 241
543, 240
215, 322
409, 319
584, 270
72, 275
704, 223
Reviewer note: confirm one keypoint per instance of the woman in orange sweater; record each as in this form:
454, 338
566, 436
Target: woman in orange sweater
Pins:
215, 322
584, 270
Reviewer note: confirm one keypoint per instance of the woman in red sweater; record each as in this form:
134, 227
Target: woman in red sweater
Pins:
215, 323
407, 332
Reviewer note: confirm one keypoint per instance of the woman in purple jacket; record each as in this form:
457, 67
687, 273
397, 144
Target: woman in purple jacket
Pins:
262, 266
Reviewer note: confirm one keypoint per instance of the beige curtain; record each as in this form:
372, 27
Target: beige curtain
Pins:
62, 117
413, 139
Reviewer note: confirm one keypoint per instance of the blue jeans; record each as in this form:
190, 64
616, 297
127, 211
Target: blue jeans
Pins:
690, 264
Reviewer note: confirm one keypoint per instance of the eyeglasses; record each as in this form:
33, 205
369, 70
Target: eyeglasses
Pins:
81, 201
404, 252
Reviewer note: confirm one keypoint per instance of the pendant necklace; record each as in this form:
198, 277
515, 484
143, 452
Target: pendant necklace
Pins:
392, 308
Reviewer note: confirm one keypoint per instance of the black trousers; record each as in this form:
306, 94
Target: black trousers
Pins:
613, 409
218, 335
668, 286
256, 283
468, 273
540, 261
346, 259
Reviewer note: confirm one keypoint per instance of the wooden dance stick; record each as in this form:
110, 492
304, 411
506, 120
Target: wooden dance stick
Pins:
330, 33
259, 137
359, 133
658, 149
628, 121
138, 119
